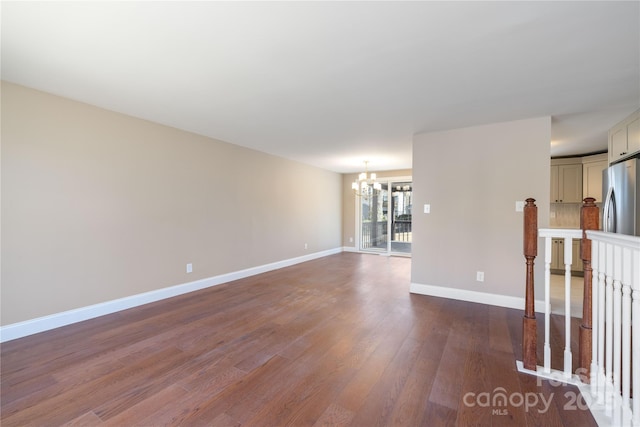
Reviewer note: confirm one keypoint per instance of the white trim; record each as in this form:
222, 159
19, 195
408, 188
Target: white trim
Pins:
614, 413
389, 179
555, 375
402, 254
366, 252
45, 323
624, 240
572, 233
473, 296
358, 218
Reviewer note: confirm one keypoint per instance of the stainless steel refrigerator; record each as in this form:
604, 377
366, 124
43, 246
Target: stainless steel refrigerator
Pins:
621, 195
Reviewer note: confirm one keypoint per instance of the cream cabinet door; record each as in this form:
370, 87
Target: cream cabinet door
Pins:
633, 136
618, 143
555, 195
624, 138
570, 183
576, 261
592, 179
557, 254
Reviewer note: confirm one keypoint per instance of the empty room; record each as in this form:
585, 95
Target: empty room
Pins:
319, 213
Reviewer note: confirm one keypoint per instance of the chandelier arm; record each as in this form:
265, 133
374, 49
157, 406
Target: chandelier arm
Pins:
366, 182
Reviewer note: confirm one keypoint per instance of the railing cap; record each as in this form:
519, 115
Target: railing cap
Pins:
632, 242
573, 233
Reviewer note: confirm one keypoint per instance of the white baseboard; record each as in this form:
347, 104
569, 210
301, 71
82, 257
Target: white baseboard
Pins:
473, 296
359, 251
45, 323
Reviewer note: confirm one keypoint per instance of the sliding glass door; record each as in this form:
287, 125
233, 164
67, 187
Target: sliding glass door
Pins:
400, 218
373, 231
385, 219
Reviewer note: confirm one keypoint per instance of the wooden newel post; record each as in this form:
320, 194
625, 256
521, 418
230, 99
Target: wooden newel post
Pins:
529, 326
589, 220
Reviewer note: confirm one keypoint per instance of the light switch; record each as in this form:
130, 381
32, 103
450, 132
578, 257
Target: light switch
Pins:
427, 208
519, 206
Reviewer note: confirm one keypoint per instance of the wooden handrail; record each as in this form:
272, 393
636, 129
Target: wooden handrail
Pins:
529, 326
589, 220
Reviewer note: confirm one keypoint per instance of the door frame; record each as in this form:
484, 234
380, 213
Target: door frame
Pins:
358, 210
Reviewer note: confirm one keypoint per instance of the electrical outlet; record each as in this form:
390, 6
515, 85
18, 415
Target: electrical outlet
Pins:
427, 208
519, 206
189, 268
480, 276
305, 246
350, 239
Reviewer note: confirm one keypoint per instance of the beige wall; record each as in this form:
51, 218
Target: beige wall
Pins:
98, 205
472, 178
349, 203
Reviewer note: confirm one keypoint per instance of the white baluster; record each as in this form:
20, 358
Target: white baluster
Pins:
601, 321
616, 416
635, 316
626, 326
594, 318
615, 354
547, 304
609, 324
568, 255
617, 317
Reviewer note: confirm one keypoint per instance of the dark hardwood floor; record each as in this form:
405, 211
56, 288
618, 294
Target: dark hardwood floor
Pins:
331, 342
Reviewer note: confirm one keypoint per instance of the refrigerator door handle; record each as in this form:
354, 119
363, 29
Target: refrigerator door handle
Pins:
610, 212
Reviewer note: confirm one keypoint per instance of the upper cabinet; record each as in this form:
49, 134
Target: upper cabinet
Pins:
592, 167
624, 138
566, 181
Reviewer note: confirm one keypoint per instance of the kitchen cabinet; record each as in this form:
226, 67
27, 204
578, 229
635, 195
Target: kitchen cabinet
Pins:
557, 255
592, 168
566, 181
555, 261
624, 138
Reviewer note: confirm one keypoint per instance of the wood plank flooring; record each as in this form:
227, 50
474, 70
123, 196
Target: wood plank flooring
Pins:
337, 341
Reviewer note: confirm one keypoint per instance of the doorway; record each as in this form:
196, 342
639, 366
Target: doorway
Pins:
385, 218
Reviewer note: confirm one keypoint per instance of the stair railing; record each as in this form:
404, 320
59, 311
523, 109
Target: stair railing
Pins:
609, 333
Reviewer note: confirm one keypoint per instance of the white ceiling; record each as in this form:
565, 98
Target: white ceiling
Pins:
335, 83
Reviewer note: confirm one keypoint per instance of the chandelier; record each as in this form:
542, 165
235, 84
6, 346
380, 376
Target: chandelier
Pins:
366, 184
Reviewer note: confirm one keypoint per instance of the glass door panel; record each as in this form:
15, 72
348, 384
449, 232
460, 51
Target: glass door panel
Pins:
374, 220
385, 223
400, 226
